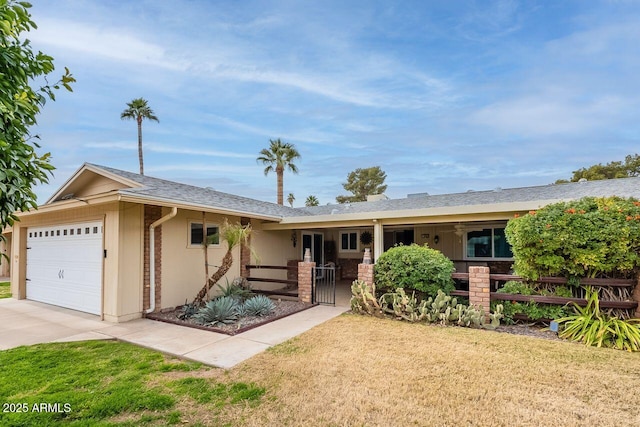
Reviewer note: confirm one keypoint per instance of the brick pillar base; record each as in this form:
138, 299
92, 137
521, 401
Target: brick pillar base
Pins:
305, 279
480, 287
365, 273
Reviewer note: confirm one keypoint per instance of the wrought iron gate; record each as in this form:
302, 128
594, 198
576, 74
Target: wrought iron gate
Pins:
324, 285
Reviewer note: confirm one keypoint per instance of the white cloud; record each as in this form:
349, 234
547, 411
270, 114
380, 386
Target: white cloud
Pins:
161, 148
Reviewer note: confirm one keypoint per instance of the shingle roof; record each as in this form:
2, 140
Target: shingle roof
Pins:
625, 187
170, 190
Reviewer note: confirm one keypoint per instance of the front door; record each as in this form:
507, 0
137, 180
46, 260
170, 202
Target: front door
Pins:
315, 242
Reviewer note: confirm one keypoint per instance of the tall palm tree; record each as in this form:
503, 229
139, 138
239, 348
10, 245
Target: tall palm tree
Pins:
290, 199
279, 156
138, 110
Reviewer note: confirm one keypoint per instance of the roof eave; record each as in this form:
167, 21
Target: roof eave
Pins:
168, 202
409, 214
95, 169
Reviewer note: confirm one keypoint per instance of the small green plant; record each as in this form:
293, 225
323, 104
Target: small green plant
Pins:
516, 287
414, 267
594, 328
222, 310
259, 305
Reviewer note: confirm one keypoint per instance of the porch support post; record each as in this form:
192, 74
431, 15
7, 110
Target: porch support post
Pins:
378, 236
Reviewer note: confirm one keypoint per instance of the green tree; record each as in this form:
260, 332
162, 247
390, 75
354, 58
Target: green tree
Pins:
277, 157
290, 199
138, 110
311, 201
363, 182
20, 166
612, 170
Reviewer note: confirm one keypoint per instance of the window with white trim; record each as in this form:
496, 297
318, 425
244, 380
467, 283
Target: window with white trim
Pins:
196, 233
348, 241
488, 243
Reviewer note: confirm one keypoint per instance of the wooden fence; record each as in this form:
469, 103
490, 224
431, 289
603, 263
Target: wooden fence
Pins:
623, 287
291, 285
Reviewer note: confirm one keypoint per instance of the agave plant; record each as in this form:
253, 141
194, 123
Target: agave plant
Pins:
187, 311
220, 310
259, 305
235, 291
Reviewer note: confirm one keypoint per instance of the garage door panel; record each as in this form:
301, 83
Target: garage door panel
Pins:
64, 265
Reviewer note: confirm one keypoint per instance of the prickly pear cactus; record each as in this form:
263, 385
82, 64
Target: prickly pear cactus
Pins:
363, 299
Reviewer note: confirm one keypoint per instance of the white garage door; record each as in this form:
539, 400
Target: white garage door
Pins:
64, 265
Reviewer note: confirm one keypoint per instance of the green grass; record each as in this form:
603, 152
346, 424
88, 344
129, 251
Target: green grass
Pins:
5, 290
108, 383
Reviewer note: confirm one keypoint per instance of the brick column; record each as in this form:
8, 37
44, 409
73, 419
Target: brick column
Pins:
365, 273
636, 296
480, 288
305, 280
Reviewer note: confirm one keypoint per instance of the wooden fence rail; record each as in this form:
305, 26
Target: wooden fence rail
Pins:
547, 299
271, 267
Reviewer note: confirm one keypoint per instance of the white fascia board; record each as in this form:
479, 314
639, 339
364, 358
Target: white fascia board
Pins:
162, 201
97, 170
409, 214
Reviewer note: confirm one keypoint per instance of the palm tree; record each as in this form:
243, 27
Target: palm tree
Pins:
290, 199
138, 110
279, 156
311, 201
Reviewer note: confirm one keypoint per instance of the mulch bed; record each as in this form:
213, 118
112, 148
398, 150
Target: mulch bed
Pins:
531, 330
283, 309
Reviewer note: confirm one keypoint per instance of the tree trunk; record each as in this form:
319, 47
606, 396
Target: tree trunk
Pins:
140, 145
280, 173
227, 261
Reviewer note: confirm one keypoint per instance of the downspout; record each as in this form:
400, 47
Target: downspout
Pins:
152, 258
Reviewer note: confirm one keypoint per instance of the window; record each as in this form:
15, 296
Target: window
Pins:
488, 243
348, 241
195, 233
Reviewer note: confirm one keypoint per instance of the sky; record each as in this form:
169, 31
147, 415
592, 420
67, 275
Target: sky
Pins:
444, 96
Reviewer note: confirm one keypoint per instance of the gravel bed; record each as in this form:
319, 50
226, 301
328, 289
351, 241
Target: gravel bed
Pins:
283, 308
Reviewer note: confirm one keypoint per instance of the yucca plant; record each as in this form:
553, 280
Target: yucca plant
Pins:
592, 327
220, 310
259, 305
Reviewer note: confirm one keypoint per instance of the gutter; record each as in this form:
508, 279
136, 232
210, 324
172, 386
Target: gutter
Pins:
152, 258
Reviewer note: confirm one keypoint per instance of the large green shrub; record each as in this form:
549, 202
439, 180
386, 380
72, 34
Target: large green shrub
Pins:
582, 238
414, 267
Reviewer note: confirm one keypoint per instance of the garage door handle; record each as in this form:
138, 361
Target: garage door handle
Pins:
61, 274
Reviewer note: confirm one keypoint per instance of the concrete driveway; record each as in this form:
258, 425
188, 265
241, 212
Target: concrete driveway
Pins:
25, 322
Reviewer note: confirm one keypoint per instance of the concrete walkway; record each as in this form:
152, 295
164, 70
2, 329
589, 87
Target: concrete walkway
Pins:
27, 322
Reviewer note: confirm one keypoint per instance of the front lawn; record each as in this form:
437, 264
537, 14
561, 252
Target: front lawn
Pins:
352, 370
90, 383
5, 290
